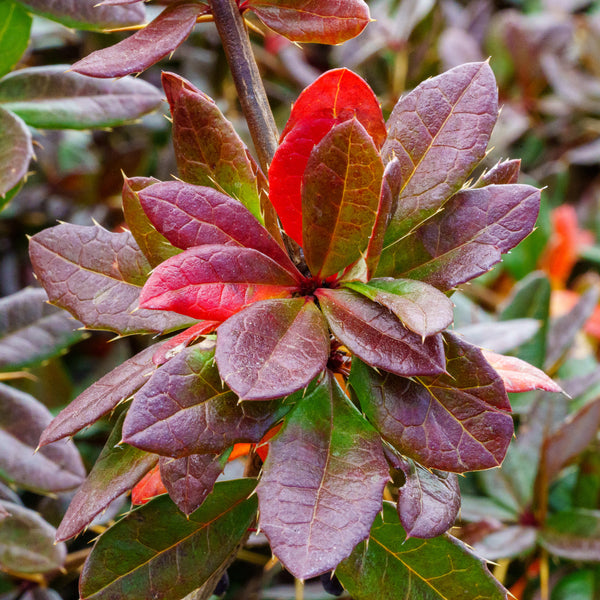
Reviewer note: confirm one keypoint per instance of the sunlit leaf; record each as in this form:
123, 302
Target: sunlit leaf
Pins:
16, 150
149, 486
501, 173
14, 34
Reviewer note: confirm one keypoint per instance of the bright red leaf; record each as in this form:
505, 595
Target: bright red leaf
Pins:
149, 486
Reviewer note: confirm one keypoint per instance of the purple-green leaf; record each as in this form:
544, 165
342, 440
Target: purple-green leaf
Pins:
146, 47
439, 132
313, 21
116, 471
54, 98
340, 198
375, 335
16, 150
422, 308
501, 173
322, 483
97, 276
388, 567
207, 148
272, 348
156, 551
184, 409
55, 468
467, 238
573, 534
457, 421
190, 479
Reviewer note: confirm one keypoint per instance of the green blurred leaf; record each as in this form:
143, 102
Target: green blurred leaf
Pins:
573, 534
15, 24
16, 150
579, 585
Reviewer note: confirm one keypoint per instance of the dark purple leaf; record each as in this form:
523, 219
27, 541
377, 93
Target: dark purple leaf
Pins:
146, 47
191, 478
97, 276
467, 238
375, 335
55, 468
501, 173
116, 471
16, 150
341, 189
207, 148
457, 421
184, 409
322, 483
101, 397
214, 282
272, 348
190, 215
439, 132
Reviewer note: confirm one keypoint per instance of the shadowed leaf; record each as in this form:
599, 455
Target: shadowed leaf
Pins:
97, 276
16, 150
439, 132
146, 47
457, 421
157, 551
117, 470
372, 333
507, 542
53, 98
14, 34
322, 483
54, 468
390, 567
573, 534
149, 486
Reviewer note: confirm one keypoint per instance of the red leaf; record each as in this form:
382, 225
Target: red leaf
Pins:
149, 486
518, 375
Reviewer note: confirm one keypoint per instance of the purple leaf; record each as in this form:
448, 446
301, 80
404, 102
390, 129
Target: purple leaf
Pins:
55, 468
507, 542
372, 333
501, 173
439, 132
16, 150
191, 478
117, 470
146, 47
322, 483
207, 148
457, 421
272, 348
184, 409
214, 282
97, 276
101, 397
190, 215
341, 189
467, 238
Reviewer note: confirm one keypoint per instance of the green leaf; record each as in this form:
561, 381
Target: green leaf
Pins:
573, 534
55, 98
156, 551
390, 567
579, 585
16, 150
15, 24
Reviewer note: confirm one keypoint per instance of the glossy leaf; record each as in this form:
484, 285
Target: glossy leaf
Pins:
389, 567
116, 471
439, 132
136, 53
184, 409
501, 173
101, 397
428, 502
87, 14
190, 215
373, 334
53, 98
322, 483
313, 21
27, 542
14, 34
154, 245
422, 308
573, 534
97, 276
214, 282
190, 479
55, 468
32, 331
340, 198
457, 421
272, 348
180, 341
156, 550
207, 148
16, 150
484, 222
